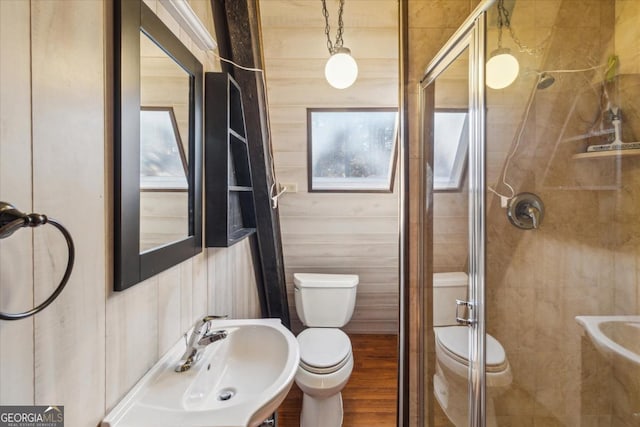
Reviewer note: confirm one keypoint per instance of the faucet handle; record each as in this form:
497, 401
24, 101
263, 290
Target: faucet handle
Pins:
526, 211
205, 321
214, 317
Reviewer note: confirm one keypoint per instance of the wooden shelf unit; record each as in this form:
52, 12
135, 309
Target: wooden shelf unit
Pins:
229, 205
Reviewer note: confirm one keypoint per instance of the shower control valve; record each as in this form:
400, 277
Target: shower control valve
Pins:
526, 211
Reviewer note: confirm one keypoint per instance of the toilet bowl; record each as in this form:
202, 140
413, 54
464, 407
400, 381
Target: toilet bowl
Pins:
451, 384
450, 381
324, 303
326, 363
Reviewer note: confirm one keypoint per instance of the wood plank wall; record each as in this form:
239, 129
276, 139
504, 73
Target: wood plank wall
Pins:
15, 187
91, 345
333, 232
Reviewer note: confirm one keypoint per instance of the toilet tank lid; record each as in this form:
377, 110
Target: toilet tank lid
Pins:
313, 280
456, 278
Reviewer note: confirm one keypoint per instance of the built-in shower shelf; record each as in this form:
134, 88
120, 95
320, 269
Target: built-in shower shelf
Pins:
611, 153
585, 136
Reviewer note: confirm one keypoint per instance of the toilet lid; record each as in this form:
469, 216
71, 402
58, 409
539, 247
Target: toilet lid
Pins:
455, 339
323, 347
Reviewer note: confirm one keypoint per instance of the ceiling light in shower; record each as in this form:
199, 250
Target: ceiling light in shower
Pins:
502, 69
341, 69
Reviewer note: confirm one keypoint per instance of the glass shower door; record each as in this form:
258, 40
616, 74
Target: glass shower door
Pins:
559, 149
449, 156
562, 284
452, 139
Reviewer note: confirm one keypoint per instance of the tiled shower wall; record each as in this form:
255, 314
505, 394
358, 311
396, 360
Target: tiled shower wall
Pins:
584, 259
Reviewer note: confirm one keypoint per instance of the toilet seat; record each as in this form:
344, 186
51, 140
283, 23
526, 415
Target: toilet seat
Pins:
323, 350
454, 342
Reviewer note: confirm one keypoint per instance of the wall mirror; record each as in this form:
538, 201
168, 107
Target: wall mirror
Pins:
157, 146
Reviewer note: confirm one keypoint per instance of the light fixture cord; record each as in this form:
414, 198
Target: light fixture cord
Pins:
333, 47
504, 20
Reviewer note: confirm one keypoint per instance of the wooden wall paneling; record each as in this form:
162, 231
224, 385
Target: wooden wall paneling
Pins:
16, 267
200, 286
246, 303
340, 238
91, 345
304, 42
132, 335
355, 205
68, 125
169, 308
339, 225
346, 250
333, 232
357, 14
286, 115
307, 68
238, 282
317, 94
187, 286
220, 287
232, 285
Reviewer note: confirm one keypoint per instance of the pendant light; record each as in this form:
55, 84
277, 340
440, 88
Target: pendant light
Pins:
502, 68
341, 69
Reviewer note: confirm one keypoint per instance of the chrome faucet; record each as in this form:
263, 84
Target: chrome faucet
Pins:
200, 338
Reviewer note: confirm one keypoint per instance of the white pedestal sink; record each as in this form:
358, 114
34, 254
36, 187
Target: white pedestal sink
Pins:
614, 336
617, 338
239, 381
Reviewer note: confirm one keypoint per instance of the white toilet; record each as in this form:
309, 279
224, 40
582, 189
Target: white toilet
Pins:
452, 349
324, 303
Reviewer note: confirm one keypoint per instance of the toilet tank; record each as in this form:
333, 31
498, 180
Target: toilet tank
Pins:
325, 300
447, 287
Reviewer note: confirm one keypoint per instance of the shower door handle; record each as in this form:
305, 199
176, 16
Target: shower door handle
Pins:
467, 321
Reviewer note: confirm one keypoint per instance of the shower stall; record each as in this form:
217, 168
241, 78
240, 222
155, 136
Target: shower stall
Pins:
529, 189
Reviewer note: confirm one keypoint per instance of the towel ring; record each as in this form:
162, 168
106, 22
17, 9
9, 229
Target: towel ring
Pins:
11, 219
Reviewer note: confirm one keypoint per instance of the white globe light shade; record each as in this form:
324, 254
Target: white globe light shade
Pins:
341, 69
502, 69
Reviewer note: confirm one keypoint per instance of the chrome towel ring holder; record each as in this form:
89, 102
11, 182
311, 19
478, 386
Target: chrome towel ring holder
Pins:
11, 219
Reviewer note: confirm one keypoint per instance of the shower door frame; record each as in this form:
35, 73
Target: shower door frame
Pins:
472, 35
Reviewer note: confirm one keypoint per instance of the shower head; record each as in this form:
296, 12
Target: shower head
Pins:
545, 80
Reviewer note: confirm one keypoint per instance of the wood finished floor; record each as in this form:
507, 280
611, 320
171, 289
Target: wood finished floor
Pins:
369, 398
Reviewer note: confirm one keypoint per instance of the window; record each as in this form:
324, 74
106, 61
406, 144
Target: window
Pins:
351, 149
163, 164
450, 144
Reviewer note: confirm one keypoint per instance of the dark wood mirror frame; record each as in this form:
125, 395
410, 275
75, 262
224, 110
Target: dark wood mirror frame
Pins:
131, 19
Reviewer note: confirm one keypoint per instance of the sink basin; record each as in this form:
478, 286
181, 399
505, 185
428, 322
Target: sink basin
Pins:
239, 381
614, 335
